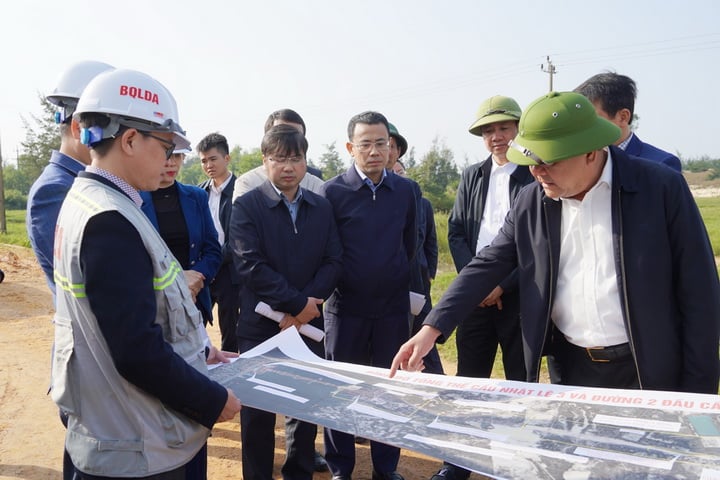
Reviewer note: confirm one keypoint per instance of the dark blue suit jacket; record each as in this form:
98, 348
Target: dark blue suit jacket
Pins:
379, 239
281, 263
205, 254
43, 206
666, 274
638, 148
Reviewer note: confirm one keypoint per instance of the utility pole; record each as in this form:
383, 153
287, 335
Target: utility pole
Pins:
3, 221
550, 70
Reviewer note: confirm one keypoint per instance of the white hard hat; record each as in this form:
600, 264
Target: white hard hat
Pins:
71, 84
132, 99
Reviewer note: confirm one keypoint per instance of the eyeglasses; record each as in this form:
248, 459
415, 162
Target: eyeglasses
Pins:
170, 146
379, 145
294, 160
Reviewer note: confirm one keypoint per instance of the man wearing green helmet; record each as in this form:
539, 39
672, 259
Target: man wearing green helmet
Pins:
486, 191
616, 273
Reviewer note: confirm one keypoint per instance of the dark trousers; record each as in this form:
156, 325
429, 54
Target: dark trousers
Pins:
363, 341
195, 469
478, 336
257, 433
577, 366
227, 297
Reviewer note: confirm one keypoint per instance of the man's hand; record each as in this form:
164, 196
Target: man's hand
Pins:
411, 353
493, 298
232, 407
289, 321
218, 356
195, 281
310, 311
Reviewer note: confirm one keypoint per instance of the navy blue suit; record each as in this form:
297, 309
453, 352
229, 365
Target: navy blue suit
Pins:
225, 287
205, 254
638, 148
281, 263
366, 319
43, 206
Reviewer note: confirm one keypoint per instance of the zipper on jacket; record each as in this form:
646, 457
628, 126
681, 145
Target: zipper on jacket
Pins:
550, 296
623, 278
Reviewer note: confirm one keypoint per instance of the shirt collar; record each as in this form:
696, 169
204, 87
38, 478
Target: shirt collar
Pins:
122, 184
364, 177
624, 144
282, 196
222, 185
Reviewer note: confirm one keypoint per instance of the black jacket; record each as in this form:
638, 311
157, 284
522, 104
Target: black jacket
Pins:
666, 275
225, 211
464, 220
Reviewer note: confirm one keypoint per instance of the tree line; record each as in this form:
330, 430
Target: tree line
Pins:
436, 171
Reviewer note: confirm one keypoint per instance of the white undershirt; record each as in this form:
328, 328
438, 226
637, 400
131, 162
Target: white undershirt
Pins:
497, 203
587, 303
214, 196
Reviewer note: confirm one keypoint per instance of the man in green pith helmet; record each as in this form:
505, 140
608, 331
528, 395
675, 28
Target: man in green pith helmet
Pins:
617, 277
486, 191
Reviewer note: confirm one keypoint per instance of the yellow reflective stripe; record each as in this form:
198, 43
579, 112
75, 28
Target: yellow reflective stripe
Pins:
166, 280
83, 202
77, 290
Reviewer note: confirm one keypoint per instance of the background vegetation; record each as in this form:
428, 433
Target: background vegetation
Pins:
436, 172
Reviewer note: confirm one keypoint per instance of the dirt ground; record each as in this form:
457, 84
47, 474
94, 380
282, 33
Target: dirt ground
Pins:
31, 436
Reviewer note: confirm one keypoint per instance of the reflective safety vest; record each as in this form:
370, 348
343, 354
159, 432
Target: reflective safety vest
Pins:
114, 428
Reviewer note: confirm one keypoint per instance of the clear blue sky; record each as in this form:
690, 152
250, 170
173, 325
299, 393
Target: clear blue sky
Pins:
425, 64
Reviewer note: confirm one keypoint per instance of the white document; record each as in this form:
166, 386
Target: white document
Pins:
417, 302
308, 330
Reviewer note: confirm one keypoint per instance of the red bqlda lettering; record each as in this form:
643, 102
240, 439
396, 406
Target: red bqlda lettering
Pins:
135, 92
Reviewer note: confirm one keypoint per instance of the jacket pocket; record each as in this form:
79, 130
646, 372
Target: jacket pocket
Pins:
62, 384
123, 458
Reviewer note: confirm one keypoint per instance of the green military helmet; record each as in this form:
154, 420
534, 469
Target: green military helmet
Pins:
558, 126
495, 109
401, 142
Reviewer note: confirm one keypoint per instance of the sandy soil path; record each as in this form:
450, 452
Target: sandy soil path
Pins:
31, 435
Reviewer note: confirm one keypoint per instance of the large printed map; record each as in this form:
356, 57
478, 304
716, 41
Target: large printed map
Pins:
499, 428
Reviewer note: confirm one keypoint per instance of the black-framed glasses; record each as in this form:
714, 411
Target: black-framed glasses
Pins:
169, 148
294, 159
379, 145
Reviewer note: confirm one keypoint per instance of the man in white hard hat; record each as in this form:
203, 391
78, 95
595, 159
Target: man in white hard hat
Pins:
129, 363
48, 191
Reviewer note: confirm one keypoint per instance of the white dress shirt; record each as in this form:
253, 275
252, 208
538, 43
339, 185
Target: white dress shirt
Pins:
214, 196
587, 303
497, 203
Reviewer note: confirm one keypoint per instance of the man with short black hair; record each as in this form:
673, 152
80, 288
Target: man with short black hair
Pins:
288, 255
366, 319
255, 177
613, 96
215, 159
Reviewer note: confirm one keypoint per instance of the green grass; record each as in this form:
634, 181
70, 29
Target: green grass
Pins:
709, 208
16, 233
710, 211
